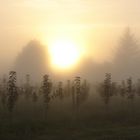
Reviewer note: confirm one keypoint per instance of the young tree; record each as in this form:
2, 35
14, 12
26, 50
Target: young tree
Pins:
78, 93
73, 97
84, 91
4, 92
130, 93
46, 89
12, 91
105, 91
123, 89
123, 94
60, 90
107, 88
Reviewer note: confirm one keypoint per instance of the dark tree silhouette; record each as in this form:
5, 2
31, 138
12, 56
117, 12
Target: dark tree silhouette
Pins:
47, 86
77, 93
122, 92
130, 94
106, 94
12, 91
46, 89
84, 91
105, 91
4, 92
73, 97
60, 90
123, 89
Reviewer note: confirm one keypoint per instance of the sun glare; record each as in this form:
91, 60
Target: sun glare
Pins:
64, 54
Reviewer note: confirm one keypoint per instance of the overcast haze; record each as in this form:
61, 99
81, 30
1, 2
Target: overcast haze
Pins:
96, 25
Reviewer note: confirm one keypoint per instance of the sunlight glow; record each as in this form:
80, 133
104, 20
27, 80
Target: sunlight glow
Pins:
64, 54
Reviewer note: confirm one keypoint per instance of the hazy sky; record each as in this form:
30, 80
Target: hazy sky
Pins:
94, 24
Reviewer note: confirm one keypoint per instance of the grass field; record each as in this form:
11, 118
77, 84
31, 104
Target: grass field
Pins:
69, 130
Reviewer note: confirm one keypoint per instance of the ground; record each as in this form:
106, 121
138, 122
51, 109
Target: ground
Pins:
39, 130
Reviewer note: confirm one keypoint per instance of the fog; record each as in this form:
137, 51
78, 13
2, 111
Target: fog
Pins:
32, 60
94, 95
35, 61
98, 26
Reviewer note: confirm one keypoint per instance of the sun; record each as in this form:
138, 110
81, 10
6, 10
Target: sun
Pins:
64, 54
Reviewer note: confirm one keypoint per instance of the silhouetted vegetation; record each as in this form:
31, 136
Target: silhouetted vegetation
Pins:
75, 102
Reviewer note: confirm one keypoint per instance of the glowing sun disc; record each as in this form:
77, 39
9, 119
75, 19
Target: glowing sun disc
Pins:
64, 54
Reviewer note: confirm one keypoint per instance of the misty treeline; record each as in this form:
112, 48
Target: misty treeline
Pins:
75, 99
34, 97
125, 54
